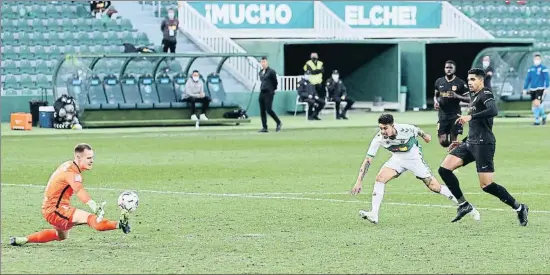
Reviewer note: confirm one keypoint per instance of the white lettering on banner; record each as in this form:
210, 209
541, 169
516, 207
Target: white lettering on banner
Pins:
381, 16
253, 14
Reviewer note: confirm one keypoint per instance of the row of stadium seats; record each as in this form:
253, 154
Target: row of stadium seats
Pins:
144, 92
511, 20
479, 9
73, 38
14, 53
15, 12
165, 6
27, 67
66, 24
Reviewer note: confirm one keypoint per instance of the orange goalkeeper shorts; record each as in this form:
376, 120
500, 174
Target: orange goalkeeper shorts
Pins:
60, 218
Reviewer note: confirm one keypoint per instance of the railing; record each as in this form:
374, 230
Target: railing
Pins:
329, 25
459, 24
288, 83
211, 39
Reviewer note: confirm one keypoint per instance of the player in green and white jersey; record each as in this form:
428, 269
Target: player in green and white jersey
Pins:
402, 141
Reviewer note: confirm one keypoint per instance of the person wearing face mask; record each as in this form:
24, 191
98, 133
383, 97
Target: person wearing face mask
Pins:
488, 71
538, 82
169, 28
337, 92
315, 66
194, 92
307, 93
268, 85
450, 90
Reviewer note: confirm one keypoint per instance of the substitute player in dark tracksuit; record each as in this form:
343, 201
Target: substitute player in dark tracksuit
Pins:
308, 93
450, 90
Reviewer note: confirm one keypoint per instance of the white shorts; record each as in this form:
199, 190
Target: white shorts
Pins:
417, 166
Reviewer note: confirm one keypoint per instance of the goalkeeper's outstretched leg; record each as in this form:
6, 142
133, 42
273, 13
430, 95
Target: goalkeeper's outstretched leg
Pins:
62, 226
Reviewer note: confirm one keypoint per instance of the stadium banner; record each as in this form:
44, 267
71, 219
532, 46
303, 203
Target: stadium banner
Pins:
257, 14
388, 14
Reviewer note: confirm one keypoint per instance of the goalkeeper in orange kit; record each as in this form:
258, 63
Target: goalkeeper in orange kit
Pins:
56, 207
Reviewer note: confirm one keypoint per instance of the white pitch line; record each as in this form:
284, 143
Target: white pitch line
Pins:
255, 196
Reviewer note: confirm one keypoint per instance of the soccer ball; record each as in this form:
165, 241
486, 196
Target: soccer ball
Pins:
128, 200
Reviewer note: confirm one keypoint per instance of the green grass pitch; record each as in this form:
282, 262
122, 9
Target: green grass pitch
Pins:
230, 200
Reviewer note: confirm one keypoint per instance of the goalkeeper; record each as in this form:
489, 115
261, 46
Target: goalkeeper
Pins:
401, 140
56, 207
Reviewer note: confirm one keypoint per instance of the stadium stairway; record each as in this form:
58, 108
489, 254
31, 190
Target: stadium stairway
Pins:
145, 21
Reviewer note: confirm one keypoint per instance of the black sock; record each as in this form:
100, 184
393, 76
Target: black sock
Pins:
452, 183
500, 192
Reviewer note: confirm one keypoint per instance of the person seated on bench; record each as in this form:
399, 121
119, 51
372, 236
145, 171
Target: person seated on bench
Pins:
194, 92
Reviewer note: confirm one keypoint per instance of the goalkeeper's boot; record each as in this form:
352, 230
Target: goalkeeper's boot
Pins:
462, 211
17, 241
370, 216
124, 222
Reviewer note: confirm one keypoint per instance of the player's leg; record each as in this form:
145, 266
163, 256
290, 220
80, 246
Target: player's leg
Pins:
443, 132
456, 130
540, 105
82, 217
391, 169
59, 219
484, 155
460, 156
422, 171
535, 103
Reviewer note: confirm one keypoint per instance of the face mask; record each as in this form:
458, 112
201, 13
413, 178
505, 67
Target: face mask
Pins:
306, 77
195, 78
485, 64
314, 58
171, 15
537, 62
335, 77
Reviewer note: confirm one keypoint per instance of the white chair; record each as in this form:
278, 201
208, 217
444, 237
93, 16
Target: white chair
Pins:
305, 104
329, 104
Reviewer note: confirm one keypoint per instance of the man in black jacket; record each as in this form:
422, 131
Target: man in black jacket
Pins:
337, 92
269, 83
308, 93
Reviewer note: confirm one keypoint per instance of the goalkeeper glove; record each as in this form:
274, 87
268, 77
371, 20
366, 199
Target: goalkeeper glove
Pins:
97, 209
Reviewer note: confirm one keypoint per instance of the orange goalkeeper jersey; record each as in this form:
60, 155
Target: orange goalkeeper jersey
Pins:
63, 183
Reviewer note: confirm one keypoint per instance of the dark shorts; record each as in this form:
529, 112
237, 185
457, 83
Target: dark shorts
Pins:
447, 126
537, 94
482, 154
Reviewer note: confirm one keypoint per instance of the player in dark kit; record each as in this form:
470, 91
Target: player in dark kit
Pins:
478, 147
450, 90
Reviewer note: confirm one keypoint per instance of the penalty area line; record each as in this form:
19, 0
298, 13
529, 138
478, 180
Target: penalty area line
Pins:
273, 197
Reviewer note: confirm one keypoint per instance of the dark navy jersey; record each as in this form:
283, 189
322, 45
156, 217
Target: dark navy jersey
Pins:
481, 128
449, 106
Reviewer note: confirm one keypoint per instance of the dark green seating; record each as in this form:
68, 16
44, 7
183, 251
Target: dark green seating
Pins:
165, 89
148, 91
131, 92
215, 89
96, 94
76, 89
113, 92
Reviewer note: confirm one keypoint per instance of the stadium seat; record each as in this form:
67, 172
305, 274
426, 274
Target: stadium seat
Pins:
42, 82
25, 67
26, 82
113, 91
165, 89
43, 67
215, 89
148, 91
131, 92
96, 94
179, 88
11, 83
